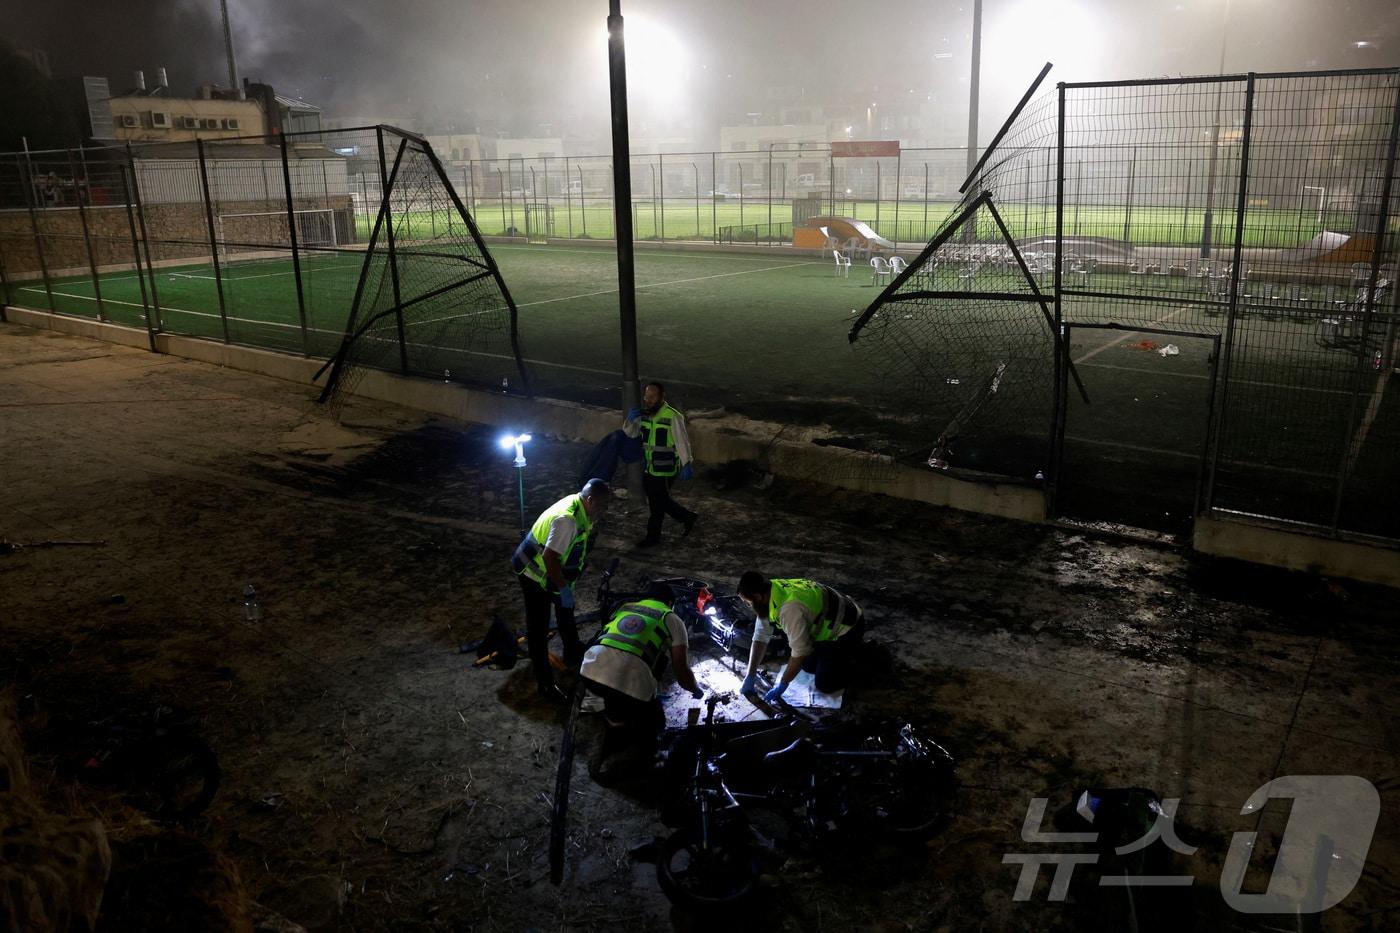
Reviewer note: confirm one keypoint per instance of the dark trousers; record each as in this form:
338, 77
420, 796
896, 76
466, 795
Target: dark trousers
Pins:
832, 663
630, 720
539, 602
658, 490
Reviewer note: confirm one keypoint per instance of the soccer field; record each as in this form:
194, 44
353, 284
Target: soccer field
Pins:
909, 222
765, 334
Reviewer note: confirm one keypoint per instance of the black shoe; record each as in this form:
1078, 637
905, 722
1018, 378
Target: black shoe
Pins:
648, 542
552, 694
690, 524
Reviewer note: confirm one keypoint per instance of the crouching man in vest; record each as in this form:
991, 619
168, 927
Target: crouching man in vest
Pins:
625, 662
823, 628
548, 561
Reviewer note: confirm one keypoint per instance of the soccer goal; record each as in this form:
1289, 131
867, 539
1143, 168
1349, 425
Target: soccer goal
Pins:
539, 221
1313, 191
264, 234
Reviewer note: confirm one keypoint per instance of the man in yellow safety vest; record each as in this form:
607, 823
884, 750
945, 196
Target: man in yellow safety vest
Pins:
666, 450
549, 559
625, 662
823, 628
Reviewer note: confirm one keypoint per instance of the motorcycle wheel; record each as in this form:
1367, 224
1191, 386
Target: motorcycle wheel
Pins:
717, 877
907, 799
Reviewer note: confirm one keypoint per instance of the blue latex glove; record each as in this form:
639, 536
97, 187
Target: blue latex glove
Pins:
566, 597
772, 696
688, 472
750, 684
634, 414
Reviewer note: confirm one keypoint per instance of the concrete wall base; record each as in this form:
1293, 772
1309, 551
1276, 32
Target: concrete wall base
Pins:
1263, 543
738, 439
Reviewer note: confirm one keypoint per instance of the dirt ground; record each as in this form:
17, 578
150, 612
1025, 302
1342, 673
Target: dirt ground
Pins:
372, 779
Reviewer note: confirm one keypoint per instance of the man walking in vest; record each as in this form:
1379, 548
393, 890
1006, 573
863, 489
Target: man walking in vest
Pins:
625, 663
548, 561
666, 451
823, 628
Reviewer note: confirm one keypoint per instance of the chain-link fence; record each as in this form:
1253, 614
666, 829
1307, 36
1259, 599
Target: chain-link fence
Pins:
1158, 298
1167, 297
265, 242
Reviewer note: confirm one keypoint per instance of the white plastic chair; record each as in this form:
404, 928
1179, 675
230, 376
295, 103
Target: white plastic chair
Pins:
897, 265
843, 262
880, 269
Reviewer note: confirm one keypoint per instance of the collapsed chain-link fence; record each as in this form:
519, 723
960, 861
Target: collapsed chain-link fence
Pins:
1247, 222
264, 242
1177, 292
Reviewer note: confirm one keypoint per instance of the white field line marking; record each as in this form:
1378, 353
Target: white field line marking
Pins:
264, 275
1195, 456
1115, 342
613, 291
659, 254
167, 309
1233, 382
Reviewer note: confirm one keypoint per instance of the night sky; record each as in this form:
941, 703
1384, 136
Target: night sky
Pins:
538, 67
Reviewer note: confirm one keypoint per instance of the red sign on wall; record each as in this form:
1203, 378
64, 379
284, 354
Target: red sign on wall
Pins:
851, 150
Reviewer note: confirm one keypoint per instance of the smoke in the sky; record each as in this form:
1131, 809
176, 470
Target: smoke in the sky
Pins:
539, 67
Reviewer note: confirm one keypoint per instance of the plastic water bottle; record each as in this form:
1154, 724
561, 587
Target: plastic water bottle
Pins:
251, 612
447, 375
505, 384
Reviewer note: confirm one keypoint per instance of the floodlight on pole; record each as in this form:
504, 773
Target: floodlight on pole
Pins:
518, 442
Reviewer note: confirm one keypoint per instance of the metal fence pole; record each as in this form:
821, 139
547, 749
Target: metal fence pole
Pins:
1059, 339
923, 234
714, 209
1232, 306
877, 195
87, 236
830, 182
393, 252
292, 238
470, 172
213, 241
1351, 451
145, 240
1128, 202
27, 174
568, 201
898, 168
696, 169
4, 283
770, 191
136, 257
582, 208
661, 192
548, 211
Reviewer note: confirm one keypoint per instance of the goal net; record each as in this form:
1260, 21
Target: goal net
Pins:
267, 234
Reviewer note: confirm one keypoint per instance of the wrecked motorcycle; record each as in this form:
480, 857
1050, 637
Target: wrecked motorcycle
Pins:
836, 791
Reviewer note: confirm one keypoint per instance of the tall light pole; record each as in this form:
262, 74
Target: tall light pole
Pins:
1206, 231
622, 206
972, 104
228, 51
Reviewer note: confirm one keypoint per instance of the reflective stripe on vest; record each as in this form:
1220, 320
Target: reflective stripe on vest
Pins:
659, 442
828, 608
529, 556
639, 629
